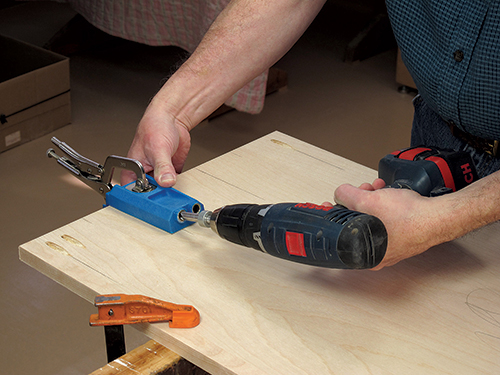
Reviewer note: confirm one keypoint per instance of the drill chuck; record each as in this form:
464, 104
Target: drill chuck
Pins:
204, 218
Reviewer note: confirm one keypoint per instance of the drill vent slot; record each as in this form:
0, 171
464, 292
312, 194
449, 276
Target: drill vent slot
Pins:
342, 216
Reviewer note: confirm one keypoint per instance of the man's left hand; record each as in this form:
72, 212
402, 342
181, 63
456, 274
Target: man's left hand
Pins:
407, 216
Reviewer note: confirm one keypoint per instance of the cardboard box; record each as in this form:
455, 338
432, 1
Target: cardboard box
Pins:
34, 92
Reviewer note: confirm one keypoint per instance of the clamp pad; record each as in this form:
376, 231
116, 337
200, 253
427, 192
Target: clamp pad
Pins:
159, 207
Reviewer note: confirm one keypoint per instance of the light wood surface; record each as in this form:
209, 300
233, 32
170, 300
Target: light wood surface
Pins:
438, 313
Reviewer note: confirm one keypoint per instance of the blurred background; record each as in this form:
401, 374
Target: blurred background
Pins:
332, 99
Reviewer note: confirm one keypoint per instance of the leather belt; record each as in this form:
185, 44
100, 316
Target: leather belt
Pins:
488, 146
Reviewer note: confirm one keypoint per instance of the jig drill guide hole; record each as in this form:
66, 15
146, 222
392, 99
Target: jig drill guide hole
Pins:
195, 209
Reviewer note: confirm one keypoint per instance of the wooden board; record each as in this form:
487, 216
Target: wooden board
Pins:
437, 313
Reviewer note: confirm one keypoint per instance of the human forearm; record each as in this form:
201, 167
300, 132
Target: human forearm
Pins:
415, 223
471, 208
247, 38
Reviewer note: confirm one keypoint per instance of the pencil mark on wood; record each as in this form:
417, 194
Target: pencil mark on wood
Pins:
224, 181
283, 144
485, 303
63, 251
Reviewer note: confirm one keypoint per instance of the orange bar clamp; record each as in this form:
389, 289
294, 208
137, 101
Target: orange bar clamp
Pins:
118, 309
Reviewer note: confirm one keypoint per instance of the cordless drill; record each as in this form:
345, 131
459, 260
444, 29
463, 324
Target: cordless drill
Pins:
336, 237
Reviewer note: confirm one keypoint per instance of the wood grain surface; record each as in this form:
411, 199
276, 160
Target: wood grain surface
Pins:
437, 313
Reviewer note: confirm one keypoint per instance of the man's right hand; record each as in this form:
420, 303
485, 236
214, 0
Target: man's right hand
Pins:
161, 144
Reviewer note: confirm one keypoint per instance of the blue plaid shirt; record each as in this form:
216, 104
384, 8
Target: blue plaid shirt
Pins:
452, 50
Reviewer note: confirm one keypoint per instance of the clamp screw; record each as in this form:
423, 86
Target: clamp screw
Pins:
111, 312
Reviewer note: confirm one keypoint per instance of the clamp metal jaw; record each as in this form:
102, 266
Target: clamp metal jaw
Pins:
143, 199
95, 175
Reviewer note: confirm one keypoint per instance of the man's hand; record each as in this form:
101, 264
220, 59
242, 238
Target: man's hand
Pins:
408, 217
161, 144
230, 55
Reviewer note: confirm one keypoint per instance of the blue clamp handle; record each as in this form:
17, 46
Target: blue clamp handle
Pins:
159, 207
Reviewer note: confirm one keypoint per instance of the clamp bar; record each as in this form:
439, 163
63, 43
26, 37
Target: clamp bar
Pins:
118, 309
115, 342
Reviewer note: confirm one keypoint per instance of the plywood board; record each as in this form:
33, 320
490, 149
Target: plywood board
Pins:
437, 313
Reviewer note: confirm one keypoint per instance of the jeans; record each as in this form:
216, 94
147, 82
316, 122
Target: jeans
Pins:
429, 129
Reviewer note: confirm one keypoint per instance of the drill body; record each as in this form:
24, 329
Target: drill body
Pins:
332, 237
336, 237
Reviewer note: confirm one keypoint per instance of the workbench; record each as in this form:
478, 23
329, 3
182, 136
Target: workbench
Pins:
437, 313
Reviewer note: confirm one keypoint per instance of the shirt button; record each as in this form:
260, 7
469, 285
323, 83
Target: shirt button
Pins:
458, 55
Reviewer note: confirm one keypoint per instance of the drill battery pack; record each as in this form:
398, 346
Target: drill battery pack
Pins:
428, 170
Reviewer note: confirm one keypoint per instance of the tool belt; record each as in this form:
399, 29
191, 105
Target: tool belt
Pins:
488, 146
